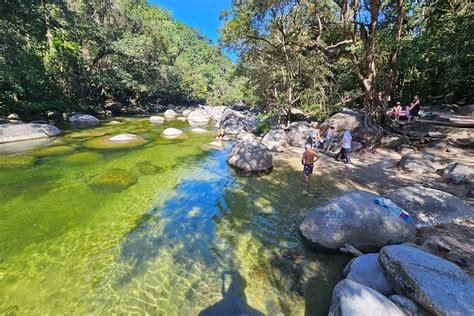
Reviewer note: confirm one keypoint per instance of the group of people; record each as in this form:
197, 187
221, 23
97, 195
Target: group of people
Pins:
408, 112
314, 141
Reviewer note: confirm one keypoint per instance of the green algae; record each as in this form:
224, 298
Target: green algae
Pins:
87, 134
53, 150
147, 168
113, 180
16, 161
83, 158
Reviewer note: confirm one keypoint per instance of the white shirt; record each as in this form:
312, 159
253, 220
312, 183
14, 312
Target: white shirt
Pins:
346, 140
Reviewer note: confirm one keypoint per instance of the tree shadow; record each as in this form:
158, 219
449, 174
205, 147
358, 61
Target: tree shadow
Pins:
234, 301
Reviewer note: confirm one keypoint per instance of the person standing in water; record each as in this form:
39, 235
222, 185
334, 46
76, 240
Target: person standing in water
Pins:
345, 147
308, 159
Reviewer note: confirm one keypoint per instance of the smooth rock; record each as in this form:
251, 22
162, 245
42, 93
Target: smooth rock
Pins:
430, 207
298, 133
83, 119
26, 131
348, 219
199, 130
181, 119
342, 121
170, 114
276, 140
366, 270
13, 117
458, 173
350, 298
216, 145
234, 122
198, 116
420, 163
438, 285
250, 156
242, 135
171, 132
407, 305
125, 138
157, 119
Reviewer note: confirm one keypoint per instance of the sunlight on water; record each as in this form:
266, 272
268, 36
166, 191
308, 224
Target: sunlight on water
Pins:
159, 227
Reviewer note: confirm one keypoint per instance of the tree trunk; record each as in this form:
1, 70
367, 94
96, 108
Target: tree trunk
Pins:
396, 48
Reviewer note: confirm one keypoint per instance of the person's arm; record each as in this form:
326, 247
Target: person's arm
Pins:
316, 157
302, 159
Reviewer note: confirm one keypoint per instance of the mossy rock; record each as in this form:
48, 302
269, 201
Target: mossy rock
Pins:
83, 158
87, 134
53, 151
16, 161
147, 168
104, 143
113, 180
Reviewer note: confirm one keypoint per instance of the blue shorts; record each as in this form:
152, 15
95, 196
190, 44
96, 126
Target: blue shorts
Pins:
308, 170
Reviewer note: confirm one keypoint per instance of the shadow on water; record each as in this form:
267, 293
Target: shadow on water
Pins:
233, 300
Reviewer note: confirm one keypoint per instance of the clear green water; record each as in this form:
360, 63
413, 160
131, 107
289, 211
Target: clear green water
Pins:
162, 228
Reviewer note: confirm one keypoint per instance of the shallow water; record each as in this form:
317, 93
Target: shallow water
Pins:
161, 228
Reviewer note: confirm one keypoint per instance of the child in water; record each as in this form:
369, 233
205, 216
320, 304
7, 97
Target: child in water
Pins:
307, 160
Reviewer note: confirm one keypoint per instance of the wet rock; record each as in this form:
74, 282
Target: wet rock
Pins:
458, 173
407, 305
366, 270
125, 138
298, 133
250, 156
26, 131
157, 119
170, 114
350, 298
438, 285
84, 119
113, 180
430, 207
276, 140
172, 132
348, 218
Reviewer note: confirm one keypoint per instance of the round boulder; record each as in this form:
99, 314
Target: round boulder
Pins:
172, 132
349, 218
250, 156
157, 119
199, 130
276, 140
125, 138
83, 119
366, 270
298, 133
198, 117
170, 114
26, 131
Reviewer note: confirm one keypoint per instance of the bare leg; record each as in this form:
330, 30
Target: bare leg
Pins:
306, 179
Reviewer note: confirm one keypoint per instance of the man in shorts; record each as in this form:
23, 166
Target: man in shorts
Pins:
310, 156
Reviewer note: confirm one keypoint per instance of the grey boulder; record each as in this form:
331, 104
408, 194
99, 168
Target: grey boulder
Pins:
366, 270
458, 173
26, 131
350, 298
421, 163
407, 305
83, 119
276, 140
430, 207
298, 133
198, 117
234, 122
354, 218
250, 156
345, 120
438, 285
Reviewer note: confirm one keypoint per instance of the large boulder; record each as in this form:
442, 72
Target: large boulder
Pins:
198, 117
250, 156
366, 270
83, 119
458, 173
409, 307
350, 298
430, 207
438, 285
214, 112
421, 163
157, 119
349, 218
276, 140
393, 142
298, 133
342, 121
234, 122
26, 131
172, 132
170, 114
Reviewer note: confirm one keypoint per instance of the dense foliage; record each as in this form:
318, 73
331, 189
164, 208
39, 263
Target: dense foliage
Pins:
68, 55
324, 54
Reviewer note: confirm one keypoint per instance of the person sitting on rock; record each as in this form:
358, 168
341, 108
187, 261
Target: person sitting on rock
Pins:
310, 156
328, 140
414, 108
345, 147
221, 133
396, 111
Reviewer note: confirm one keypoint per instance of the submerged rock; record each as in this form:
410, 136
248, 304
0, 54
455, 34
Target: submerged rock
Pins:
83, 158
147, 168
125, 138
16, 161
438, 285
172, 132
349, 218
26, 131
113, 180
53, 150
84, 119
250, 156
430, 207
105, 143
366, 270
350, 298
276, 140
199, 130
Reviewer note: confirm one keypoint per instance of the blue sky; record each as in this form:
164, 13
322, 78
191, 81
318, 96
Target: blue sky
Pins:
199, 14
